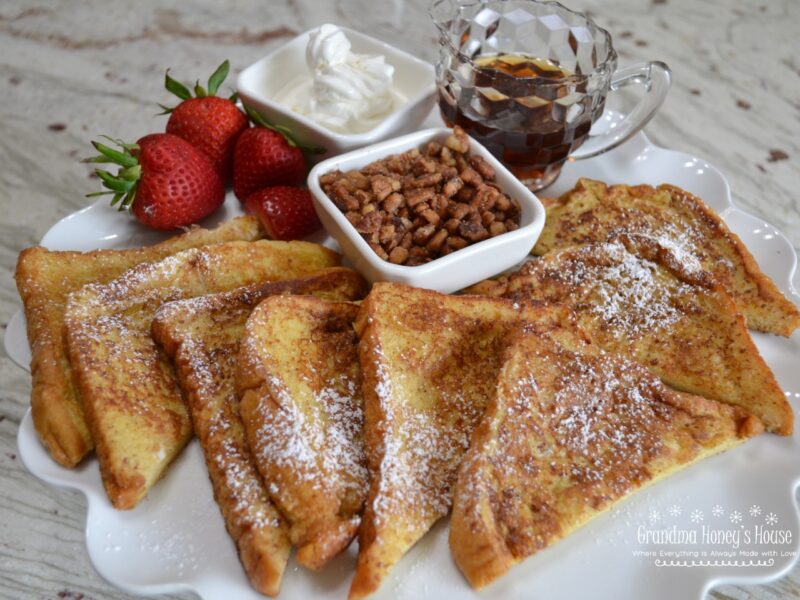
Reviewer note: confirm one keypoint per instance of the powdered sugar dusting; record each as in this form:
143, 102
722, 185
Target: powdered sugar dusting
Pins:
320, 449
631, 294
284, 437
305, 416
416, 449
206, 364
569, 431
605, 412
241, 484
344, 414
430, 395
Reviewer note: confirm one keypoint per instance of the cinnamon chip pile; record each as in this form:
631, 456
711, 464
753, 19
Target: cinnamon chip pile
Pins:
414, 207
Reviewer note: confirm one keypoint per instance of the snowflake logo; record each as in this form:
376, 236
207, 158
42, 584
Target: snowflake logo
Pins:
717, 511
755, 510
771, 519
696, 516
654, 515
735, 516
675, 510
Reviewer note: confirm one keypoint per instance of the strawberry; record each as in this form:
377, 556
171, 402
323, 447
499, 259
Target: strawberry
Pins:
211, 124
264, 157
287, 213
164, 180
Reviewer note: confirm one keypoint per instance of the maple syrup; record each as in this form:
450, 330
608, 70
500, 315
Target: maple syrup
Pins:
530, 121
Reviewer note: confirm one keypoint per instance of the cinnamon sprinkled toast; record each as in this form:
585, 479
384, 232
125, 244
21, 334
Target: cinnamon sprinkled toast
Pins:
596, 212
132, 402
570, 432
302, 408
45, 279
202, 337
636, 298
429, 363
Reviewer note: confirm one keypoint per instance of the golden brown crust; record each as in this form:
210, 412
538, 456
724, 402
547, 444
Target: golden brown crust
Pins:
133, 405
596, 212
632, 297
570, 432
765, 307
301, 405
44, 280
202, 336
429, 363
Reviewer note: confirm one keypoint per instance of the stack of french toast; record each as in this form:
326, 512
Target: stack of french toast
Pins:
329, 411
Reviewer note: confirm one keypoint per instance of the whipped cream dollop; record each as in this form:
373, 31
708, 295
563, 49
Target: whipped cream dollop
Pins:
343, 91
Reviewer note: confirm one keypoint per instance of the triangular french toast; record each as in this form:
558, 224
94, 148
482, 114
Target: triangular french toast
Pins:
132, 402
202, 337
633, 297
571, 431
300, 388
429, 363
596, 212
45, 278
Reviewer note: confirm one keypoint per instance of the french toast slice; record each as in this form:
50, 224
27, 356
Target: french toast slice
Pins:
429, 364
569, 433
134, 408
635, 298
301, 404
596, 212
202, 336
45, 279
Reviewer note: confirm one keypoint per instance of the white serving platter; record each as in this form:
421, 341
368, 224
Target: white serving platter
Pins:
175, 541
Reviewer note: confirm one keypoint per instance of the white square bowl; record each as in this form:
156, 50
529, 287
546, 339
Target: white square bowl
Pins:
446, 274
258, 84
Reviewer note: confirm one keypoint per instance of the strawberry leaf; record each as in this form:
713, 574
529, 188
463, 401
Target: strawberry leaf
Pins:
114, 183
199, 90
218, 77
124, 184
127, 201
124, 159
131, 173
176, 87
258, 120
121, 143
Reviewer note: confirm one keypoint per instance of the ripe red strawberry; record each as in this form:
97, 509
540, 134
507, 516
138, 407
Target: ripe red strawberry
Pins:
263, 158
164, 180
211, 124
287, 213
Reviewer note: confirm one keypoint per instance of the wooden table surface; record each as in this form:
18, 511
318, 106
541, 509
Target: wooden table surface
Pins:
71, 71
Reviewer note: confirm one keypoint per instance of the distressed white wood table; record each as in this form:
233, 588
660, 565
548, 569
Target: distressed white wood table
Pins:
70, 71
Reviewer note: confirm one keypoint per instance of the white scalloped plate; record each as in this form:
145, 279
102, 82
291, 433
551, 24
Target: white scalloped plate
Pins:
175, 540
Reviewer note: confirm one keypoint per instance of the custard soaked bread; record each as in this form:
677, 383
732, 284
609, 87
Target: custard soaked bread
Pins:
202, 336
133, 405
302, 408
570, 432
429, 363
635, 298
44, 280
595, 212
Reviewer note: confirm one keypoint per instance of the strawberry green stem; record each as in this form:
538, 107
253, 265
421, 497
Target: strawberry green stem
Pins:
183, 92
123, 185
259, 120
218, 77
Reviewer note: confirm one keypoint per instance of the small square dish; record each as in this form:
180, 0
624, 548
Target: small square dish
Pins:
446, 274
413, 88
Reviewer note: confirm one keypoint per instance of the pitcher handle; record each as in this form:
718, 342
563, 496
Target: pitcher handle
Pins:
656, 77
